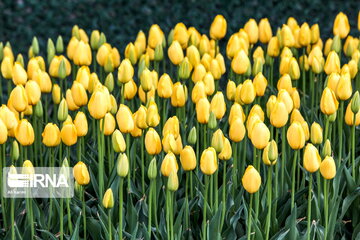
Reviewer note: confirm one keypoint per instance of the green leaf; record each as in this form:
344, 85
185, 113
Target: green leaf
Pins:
348, 201
214, 231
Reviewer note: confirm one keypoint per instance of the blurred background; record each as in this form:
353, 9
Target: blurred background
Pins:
121, 20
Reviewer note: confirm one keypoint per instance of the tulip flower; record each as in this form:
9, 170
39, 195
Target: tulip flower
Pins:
175, 53
218, 27
24, 133
97, 104
208, 161
188, 158
124, 119
328, 102
69, 134
217, 105
265, 32
152, 142
3, 132
51, 135
240, 63
279, 115
316, 133
19, 75
165, 86
169, 164
18, 98
179, 94
296, 136
341, 25
247, 93
203, 110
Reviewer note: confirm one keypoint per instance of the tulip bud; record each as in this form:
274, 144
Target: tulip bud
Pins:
125, 71
7, 68
122, 165
188, 158
270, 153
28, 168
231, 90
39, 110
328, 102
59, 45
51, 135
81, 173
3, 132
218, 105
247, 93
192, 138
152, 170
212, 121
124, 119
56, 94
341, 25
118, 142
68, 134
355, 103
169, 164
173, 182
159, 53
344, 87
15, 153
316, 133
24, 133
208, 161
296, 136
273, 49
265, 32
175, 53
326, 151
260, 135
97, 104
165, 86
152, 142
217, 140
328, 168
312, 159
294, 70
240, 63
218, 27
251, 180
108, 200
62, 110
185, 69
94, 39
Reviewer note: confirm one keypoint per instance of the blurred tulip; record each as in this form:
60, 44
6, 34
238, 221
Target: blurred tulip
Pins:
328, 168
251, 180
316, 133
108, 199
208, 161
296, 136
69, 134
188, 158
24, 133
328, 102
169, 164
152, 142
218, 27
51, 135
312, 159
341, 25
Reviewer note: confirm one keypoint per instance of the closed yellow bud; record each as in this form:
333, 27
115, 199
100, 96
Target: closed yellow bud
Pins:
108, 126
284, 83
328, 168
312, 159
237, 129
175, 53
97, 104
296, 136
178, 97
70, 101
252, 30
305, 35
188, 158
208, 161
130, 90
260, 84
79, 94
341, 25
169, 164
230, 90
152, 114
108, 200
287, 36
218, 27
294, 69
140, 120
316, 133
328, 103
270, 153
24, 133
260, 135
165, 86
122, 167
28, 168
265, 32
226, 151
171, 126
240, 63
69, 134
124, 119
349, 116
19, 75
51, 135
56, 94
344, 87
315, 33
285, 97
81, 173
203, 110
18, 98
209, 84
279, 115
8, 117
156, 36
251, 180
273, 49
7, 68
55, 65
217, 140
118, 141
217, 105
82, 55
125, 71
81, 124
332, 64
181, 34
152, 142
247, 93
33, 92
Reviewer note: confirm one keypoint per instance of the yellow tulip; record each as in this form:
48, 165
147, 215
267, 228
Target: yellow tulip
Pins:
130, 90
209, 84
270, 153
70, 101
118, 141
349, 116
69, 134
260, 84
181, 34
108, 126
51, 135
341, 25
79, 94
305, 35
217, 105
265, 32
296, 136
316, 133
81, 124
125, 71
152, 142
287, 36
218, 27
178, 97
156, 36
231, 90
43, 80
279, 115
328, 102
108, 200
33, 92
273, 49
240, 63
237, 130
152, 114
256, 109
18, 98
188, 158
56, 94
8, 117
328, 168
285, 97
208, 161
122, 167
332, 64
226, 152
7, 68
81, 173
344, 87
175, 53
203, 110
55, 65
124, 119
260, 135
284, 83
247, 93
24, 133
165, 86
82, 55
315, 33
294, 69
3, 132
172, 126
251, 180
169, 164
252, 30
312, 159
19, 75
97, 104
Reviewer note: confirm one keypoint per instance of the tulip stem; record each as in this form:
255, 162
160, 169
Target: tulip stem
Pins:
326, 207
52, 164
150, 209
142, 164
187, 215
223, 196
205, 206
269, 195
293, 179
61, 218
257, 194
12, 203
353, 148
121, 186
109, 222
2, 164
128, 155
233, 172
326, 127
168, 213
83, 210
309, 208
216, 184
340, 128
249, 217
101, 160
283, 158
191, 184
